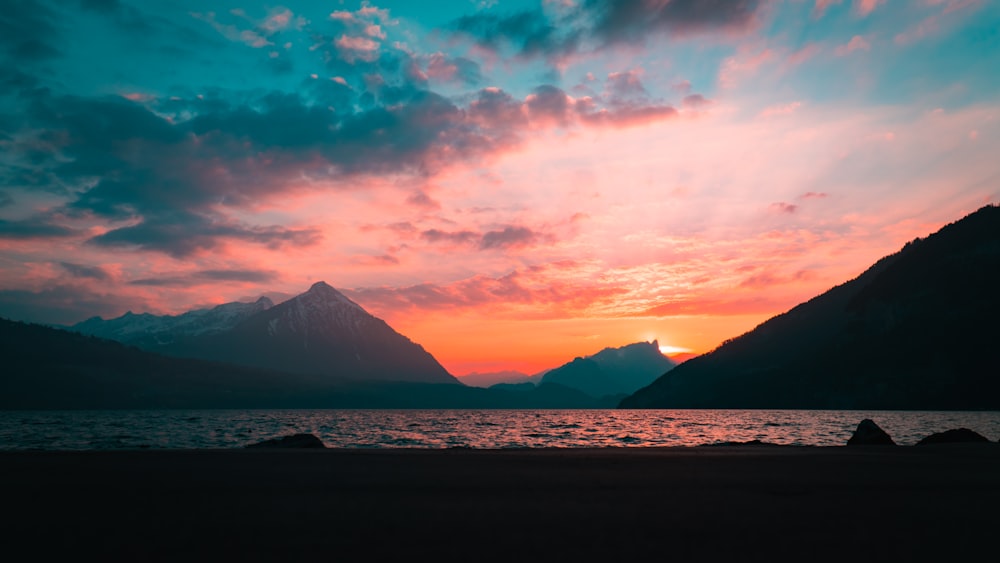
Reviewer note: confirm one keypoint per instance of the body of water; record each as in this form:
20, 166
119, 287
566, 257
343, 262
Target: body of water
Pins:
103, 430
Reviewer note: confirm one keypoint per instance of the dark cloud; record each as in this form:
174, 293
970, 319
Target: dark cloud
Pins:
625, 87
103, 6
64, 304
472, 292
479, 291
615, 21
177, 168
530, 33
549, 103
238, 275
594, 24
454, 237
248, 276
380, 260
28, 31
33, 228
453, 69
508, 237
421, 199
695, 101
86, 272
181, 236
783, 207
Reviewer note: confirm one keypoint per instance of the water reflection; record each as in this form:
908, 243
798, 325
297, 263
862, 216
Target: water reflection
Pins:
79, 430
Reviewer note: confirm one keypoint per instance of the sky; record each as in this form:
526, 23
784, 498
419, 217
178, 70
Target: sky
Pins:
510, 184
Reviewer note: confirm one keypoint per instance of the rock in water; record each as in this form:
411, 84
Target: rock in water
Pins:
869, 434
954, 436
297, 441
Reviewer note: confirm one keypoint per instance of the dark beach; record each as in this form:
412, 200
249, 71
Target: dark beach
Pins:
736, 503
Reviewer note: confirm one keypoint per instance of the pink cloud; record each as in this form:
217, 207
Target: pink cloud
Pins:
782, 207
821, 5
780, 109
857, 43
440, 68
745, 62
356, 43
865, 7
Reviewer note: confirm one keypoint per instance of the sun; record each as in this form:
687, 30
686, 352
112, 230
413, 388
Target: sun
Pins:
667, 349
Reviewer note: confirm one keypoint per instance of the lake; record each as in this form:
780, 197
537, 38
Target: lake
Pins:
199, 429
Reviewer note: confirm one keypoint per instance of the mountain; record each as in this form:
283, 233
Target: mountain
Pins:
489, 379
146, 330
917, 330
318, 332
48, 368
613, 371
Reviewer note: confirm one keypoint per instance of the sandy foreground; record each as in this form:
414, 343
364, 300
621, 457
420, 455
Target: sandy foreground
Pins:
738, 503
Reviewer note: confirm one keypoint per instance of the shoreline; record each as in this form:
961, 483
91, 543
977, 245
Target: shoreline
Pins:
641, 503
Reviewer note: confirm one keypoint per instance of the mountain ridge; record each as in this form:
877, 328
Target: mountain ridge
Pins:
320, 331
912, 331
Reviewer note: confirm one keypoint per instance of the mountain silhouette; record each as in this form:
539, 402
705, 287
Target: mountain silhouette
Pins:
917, 330
613, 371
318, 332
49, 368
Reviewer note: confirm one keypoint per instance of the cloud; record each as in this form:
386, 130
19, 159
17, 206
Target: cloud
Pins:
88, 272
597, 24
103, 6
253, 37
193, 278
421, 199
380, 260
632, 22
175, 174
780, 109
28, 31
33, 228
453, 237
782, 207
513, 291
865, 7
444, 68
64, 304
508, 237
857, 43
695, 101
182, 236
821, 6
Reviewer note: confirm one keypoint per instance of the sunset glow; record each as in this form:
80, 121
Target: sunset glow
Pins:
509, 184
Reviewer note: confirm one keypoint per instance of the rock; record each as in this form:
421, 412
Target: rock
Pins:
954, 436
297, 441
736, 443
869, 434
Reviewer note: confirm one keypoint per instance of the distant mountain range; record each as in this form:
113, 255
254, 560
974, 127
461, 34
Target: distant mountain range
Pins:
316, 350
610, 372
917, 330
48, 368
318, 332
489, 379
613, 371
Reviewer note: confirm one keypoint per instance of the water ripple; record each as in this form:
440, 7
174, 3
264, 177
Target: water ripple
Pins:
86, 430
